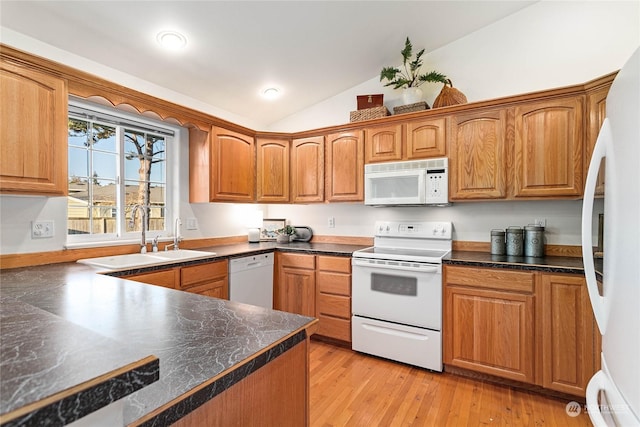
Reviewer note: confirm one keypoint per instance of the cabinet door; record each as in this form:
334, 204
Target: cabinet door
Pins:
273, 170
167, 278
295, 285
307, 170
383, 144
568, 334
596, 107
477, 153
33, 131
233, 166
548, 148
425, 138
344, 153
489, 321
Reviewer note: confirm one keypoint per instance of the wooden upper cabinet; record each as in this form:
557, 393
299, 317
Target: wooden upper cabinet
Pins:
344, 153
233, 165
597, 111
273, 170
548, 148
383, 143
33, 132
477, 155
307, 170
425, 138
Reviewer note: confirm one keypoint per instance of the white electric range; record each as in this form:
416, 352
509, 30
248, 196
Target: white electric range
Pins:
397, 292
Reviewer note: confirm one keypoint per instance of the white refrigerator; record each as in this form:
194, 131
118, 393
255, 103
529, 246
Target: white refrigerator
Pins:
613, 394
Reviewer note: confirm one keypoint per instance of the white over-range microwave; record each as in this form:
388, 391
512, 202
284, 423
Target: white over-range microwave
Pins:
407, 183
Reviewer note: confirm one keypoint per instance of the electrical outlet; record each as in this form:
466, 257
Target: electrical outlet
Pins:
541, 222
192, 223
41, 229
332, 222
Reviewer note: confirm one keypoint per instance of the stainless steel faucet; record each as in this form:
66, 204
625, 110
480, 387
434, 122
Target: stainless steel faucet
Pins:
176, 238
143, 241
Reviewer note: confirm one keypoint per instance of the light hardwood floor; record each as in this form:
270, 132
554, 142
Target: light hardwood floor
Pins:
351, 389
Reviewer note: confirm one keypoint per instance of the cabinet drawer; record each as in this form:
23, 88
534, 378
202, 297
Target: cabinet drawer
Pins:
490, 278
332, 263
166, 278
298, 261
334, 283
216, 289
333, 305
193, 275
333, 327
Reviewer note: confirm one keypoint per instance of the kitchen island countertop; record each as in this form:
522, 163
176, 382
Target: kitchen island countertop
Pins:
199, 341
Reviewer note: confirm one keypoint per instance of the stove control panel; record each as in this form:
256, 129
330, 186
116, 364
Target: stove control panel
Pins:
420, 229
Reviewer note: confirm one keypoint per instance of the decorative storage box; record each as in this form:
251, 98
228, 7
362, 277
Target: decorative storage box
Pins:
410, 108
368, 114
370, 101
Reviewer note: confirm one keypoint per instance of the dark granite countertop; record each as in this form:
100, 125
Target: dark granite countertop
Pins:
199, 341
549, 264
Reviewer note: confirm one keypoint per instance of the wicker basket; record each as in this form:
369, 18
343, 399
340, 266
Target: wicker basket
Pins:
368, 114
410, 108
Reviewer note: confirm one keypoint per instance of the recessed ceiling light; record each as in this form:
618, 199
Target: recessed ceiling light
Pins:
171, 40
271, 93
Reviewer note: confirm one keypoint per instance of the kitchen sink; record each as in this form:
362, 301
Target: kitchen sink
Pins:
118, 262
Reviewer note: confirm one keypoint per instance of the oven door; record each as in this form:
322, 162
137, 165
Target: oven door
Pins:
409, 293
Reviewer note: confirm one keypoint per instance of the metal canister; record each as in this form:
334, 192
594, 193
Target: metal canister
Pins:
514, 241
533, 241
498, 246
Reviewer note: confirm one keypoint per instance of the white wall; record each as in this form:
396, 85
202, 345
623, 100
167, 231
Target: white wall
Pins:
546, 45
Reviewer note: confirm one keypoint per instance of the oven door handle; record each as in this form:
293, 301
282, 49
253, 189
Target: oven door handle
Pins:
423, 268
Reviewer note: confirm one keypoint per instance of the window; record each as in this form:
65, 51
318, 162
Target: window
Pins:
116, 161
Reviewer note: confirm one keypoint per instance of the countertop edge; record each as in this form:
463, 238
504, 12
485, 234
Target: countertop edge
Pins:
79, 401
174, 410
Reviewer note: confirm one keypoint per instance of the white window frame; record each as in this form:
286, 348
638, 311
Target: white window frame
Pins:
171, 154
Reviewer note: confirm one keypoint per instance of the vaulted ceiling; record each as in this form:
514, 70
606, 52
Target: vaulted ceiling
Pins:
310, 50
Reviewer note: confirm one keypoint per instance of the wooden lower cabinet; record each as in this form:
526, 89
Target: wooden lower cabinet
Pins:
316, 286
333, 297
489, 321
533, 327
277, 394
168, 278
295, 284
210, 279
568, 334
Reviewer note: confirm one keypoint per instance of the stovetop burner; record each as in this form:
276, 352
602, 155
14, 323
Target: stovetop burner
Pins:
409, 241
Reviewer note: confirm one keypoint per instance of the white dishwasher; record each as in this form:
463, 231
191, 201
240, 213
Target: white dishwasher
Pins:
251, 280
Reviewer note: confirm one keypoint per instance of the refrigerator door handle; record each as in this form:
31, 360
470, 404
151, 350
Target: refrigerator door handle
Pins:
599, 303
597, 384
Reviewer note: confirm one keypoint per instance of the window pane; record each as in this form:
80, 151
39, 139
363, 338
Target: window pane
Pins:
78, 133
136, 193
157, 203
78, 163
104, 138
104, 165
78, 219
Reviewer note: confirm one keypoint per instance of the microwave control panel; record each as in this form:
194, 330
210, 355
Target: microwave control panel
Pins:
437, 186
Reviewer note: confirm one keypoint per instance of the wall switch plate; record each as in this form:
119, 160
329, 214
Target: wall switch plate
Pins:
192, 223
41, 229
332, 222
